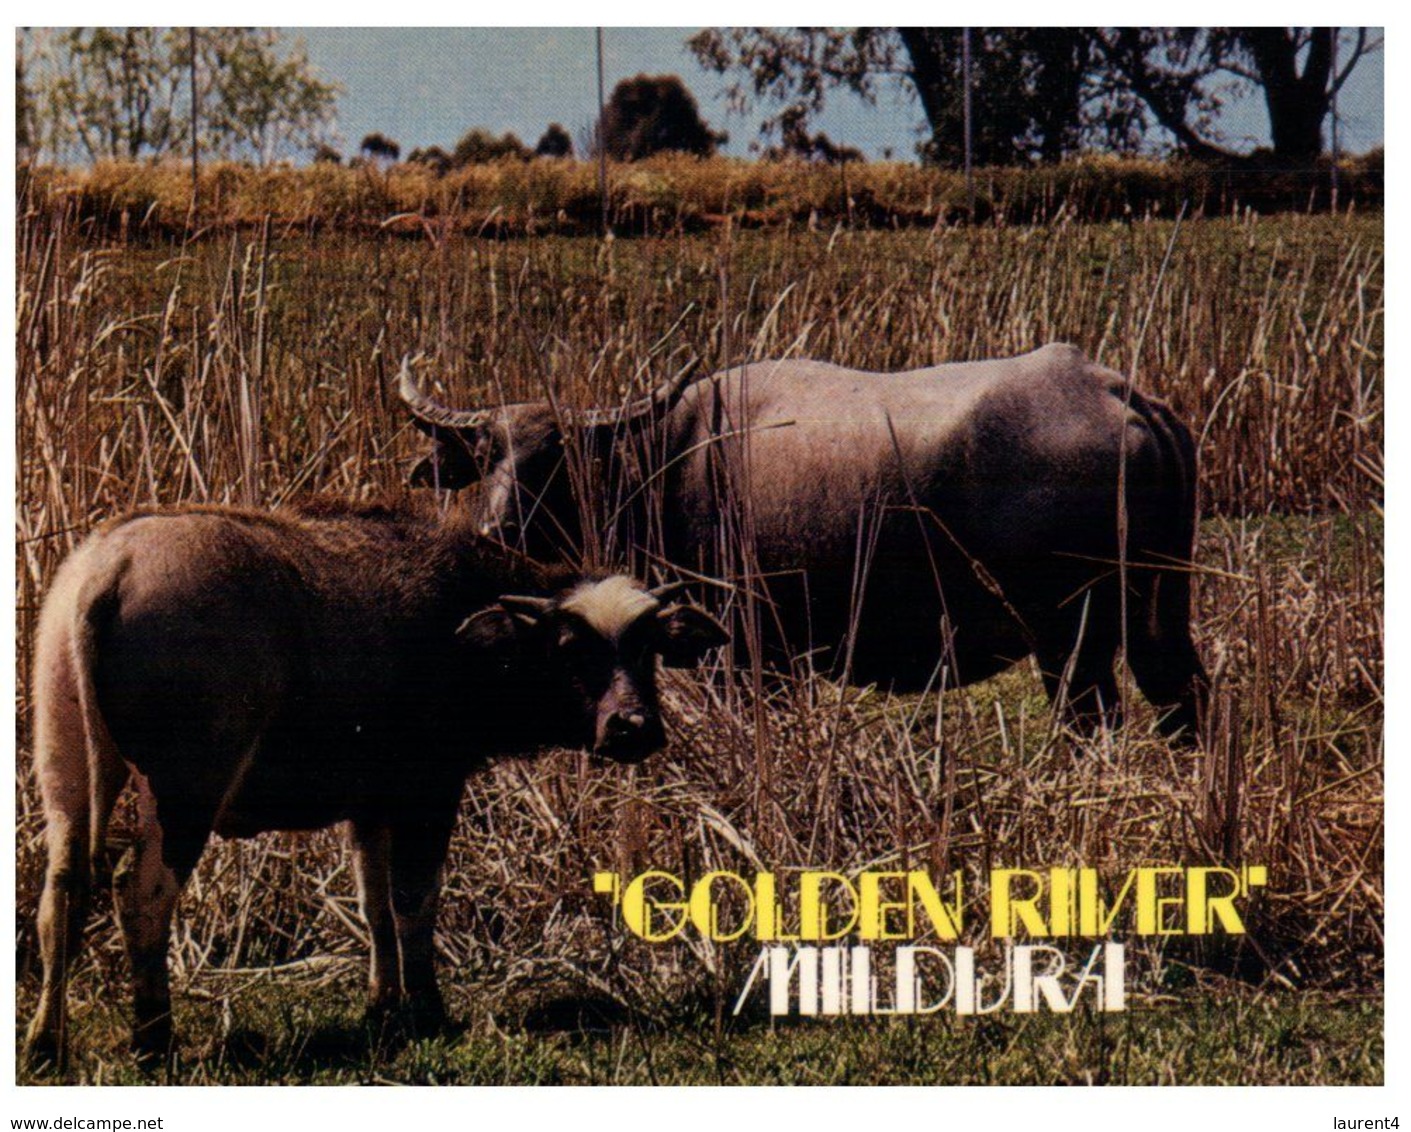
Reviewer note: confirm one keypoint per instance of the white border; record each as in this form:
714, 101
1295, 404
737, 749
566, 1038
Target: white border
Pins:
326, 1107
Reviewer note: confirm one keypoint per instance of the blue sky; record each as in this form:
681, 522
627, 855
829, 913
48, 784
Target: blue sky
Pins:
427, 86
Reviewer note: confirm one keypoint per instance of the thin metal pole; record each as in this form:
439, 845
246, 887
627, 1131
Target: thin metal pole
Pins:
1334, 33
602, 147
195, 142
965, 84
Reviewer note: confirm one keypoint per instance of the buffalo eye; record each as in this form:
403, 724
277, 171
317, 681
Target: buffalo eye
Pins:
579, 646
487, 449
640, 640
450, 466
570, 640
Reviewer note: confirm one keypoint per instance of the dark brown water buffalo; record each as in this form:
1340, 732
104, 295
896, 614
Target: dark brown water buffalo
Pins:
287, 670
913, 528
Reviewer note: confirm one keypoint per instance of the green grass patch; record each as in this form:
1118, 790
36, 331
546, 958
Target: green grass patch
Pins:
295, 1035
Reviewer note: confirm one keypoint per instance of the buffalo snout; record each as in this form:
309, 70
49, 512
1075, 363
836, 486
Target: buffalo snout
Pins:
629, 735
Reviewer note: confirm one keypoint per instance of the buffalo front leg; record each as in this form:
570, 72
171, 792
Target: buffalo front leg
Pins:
1076, 661
371, 864
418, 850
1175, 682
1163, 656
145, 890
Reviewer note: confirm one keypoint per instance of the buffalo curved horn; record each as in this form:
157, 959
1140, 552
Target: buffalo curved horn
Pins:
662, 398
529, 608
669, 590
430, 414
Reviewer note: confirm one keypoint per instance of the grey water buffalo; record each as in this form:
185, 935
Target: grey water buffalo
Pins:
290, 669
912, 529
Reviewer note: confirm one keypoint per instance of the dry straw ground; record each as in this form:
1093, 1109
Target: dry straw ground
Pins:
254, 366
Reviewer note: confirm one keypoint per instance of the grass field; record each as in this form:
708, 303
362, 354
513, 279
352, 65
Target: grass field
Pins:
251, 367
291, 1029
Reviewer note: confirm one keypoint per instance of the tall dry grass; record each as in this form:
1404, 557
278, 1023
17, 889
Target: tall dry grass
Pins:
253, 366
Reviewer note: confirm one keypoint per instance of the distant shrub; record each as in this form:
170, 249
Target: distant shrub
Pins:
379, 147
434, 158
676, 192
554, 143
478, 146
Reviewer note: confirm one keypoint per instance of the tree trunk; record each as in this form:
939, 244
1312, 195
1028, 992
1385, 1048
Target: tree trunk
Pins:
1297, 103
929, 74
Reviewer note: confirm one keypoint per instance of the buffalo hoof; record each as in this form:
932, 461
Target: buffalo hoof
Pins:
426, 1015
1091, 722
153, 1043
408, 1020
1181, 729
381, 1021
43, 1053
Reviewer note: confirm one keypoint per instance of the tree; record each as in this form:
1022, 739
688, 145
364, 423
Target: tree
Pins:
433, 157
1041, 93
554, 143
652, 114
1028, 91
1028, 84
795, 141
1183, 76
264, 101
479, 145
26, 118
113, 91
379, 147
124, 93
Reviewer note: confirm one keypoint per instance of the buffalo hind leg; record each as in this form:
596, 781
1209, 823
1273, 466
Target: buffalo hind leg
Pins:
63, 910
76, 813
145, 889
1162, 655
371, 851
417, 852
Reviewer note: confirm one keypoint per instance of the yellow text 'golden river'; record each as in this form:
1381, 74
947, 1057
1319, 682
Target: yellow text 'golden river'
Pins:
816, 907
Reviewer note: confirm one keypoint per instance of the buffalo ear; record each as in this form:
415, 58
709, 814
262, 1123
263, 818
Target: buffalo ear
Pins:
492, 630
687, 634
506, 623
450, 467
